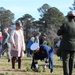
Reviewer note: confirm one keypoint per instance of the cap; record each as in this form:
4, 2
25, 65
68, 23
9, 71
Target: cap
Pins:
34, 46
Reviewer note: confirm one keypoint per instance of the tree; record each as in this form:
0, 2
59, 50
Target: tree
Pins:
54, 17
43, 9
50, 20
6, 17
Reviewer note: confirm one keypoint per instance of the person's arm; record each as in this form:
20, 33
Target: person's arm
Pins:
58, 43
61, 30
24, 45
5, 40
12, 38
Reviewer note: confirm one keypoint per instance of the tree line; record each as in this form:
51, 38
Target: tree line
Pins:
50, 20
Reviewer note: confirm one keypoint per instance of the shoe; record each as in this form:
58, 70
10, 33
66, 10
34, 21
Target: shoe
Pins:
51, 71
8, 60
19, 68
13, 68
0, 55
36, 69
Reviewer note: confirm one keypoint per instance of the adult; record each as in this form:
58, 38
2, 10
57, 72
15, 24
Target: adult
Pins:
42, 39
30, 42
37, 37
67, 45
56, 49
17, 44
5, 44
41, 52
1, 37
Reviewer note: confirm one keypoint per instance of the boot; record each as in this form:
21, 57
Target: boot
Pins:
19, 62
13, 62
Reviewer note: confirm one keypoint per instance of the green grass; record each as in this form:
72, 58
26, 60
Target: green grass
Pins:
5, 67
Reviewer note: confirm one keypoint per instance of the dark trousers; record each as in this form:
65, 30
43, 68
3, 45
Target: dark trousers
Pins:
68, 58
13, 62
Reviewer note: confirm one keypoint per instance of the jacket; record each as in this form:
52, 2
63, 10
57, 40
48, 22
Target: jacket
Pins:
67, 31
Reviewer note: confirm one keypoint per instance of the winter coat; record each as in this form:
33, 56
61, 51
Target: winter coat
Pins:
17, 38
67, 31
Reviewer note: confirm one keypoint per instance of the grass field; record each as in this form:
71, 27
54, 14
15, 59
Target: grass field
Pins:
5, 67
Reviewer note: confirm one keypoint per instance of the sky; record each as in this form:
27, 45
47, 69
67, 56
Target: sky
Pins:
21, 7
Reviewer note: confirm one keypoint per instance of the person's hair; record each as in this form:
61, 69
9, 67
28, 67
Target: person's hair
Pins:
18, 23
5, 29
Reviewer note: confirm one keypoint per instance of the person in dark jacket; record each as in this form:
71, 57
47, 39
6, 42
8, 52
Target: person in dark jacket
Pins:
5, 44
42, 39
37, 37
41, 52
67, 45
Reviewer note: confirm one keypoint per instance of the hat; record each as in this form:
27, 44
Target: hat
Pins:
70, 13
34, 46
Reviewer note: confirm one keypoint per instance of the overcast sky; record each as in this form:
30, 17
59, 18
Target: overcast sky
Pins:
21, 7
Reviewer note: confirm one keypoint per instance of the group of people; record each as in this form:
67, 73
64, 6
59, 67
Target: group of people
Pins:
66, 46
38, 38
39, 49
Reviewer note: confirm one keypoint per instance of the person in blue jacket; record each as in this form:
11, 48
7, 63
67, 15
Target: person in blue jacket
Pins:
30, 42
41, 52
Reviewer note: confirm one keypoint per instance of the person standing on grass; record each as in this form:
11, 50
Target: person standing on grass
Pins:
56, 47
1, 38
30, 42
17, 44
42, 39
37, 37
6, 47
67, 45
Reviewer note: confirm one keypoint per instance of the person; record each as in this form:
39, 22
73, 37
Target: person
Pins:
30, 42
41, 52
56, 47
5, 44
1, 37
37, 37
0, 48
17, 44
42, 39
67, 45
